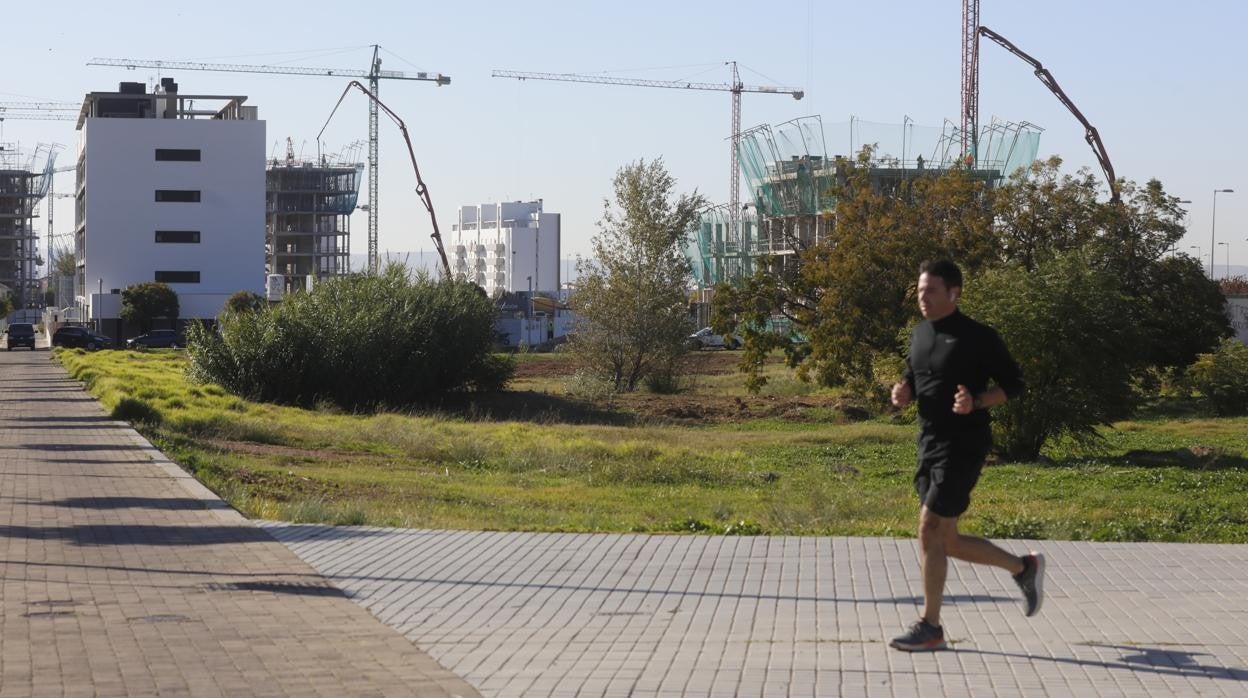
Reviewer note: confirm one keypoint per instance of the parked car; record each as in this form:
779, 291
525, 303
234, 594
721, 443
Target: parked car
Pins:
72, 336
21, 334
705, 338
157, 339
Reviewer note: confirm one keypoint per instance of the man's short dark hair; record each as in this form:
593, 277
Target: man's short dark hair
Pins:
945, 269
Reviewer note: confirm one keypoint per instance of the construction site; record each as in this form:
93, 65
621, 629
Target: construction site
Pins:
24, 181
308, 207
790, 172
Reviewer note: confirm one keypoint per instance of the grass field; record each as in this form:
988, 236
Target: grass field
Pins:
555, 455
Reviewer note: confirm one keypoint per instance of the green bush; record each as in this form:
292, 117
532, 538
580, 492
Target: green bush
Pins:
1222, 377
1069, 327
131, 409
360, 342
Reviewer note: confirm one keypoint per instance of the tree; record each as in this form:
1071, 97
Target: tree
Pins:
1068, 325
6, 305
245, 302
631, 296
66, 264
142, 303
850, 295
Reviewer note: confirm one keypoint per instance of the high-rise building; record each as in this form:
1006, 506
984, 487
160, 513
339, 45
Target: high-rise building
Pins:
171, 188
508, 247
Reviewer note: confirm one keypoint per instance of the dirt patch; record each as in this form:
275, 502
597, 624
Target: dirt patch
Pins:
700, 363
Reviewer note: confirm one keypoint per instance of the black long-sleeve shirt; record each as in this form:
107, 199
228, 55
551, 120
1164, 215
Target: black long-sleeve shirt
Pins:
956, 350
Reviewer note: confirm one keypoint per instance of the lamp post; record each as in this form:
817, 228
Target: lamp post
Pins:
1213, 226
1197, 248
1228, 259
95, 307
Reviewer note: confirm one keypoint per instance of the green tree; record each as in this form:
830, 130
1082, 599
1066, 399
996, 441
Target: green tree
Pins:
245, 302
66, 264
851, 294
144, 302
6, 305
1222, 377
1068, 325
631, 296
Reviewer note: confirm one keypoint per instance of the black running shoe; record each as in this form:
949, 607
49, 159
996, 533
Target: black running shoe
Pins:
1031, 582
923, 637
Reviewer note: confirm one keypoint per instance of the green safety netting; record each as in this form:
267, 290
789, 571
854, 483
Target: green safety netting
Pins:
789, 173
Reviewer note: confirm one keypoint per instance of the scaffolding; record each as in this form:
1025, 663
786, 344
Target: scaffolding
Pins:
791, 181
24, 181
308, 221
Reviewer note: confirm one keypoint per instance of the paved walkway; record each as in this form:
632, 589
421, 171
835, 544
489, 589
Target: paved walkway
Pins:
121, 576
619, 615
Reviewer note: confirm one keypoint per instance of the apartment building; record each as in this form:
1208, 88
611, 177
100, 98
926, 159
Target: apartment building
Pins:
170, 188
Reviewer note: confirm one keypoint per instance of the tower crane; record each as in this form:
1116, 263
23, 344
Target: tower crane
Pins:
374, 75
39, 111
735, 87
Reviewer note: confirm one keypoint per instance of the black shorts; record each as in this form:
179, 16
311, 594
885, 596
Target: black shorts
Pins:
949, 467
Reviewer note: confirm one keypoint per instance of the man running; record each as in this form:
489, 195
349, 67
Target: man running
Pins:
952, 358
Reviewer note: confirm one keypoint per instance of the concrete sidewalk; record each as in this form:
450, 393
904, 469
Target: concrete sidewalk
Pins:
122, 576
521, 614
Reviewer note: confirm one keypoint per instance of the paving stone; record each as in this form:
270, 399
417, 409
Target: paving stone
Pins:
122, 575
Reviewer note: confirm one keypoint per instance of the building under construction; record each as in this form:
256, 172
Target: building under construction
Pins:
23, 184
791, 179
309, 206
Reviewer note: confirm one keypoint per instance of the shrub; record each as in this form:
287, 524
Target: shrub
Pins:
1069, 327
1222, 377
131, 409
360, 342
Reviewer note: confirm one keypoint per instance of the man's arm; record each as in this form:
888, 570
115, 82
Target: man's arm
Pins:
1002, 369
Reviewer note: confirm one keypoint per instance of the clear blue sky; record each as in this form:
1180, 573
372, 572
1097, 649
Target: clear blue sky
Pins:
1162, 81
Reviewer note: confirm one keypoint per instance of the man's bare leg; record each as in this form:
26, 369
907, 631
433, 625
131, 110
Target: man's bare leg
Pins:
939, 540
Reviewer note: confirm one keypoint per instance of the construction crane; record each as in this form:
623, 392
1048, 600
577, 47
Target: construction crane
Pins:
374, 75
971, 31
39, 111
421, 189
735, 87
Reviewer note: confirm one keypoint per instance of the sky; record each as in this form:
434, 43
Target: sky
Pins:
1163, 82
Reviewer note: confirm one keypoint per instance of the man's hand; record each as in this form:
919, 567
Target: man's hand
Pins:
963, 401
902, 394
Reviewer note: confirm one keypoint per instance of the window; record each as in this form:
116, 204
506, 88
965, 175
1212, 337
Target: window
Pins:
177, 236
178, 154
178, 277
178, 195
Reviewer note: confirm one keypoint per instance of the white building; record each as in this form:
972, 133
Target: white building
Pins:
171, 188
508, 247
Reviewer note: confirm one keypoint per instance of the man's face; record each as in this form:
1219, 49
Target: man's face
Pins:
935, 299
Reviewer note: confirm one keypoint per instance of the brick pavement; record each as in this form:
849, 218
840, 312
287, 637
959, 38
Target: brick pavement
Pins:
632, 615
121, 575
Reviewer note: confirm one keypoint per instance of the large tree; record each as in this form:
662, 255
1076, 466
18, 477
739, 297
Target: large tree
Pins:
631, 296
144, 302
850, 295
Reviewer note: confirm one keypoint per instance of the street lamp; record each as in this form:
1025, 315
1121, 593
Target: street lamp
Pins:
1197, 248
1228, 259
1213, 226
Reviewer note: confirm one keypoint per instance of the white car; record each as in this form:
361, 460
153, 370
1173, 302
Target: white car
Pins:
706, 338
